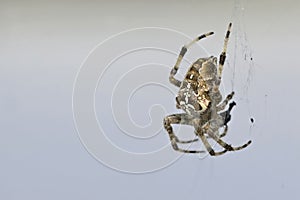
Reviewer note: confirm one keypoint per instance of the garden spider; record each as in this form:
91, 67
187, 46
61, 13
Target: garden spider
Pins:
200, 99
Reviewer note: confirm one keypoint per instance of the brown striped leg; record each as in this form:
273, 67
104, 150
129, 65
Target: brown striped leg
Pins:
184, 49
208, 146
224, 132
226, 114
178, 119
227, 146
222, 105
223, 54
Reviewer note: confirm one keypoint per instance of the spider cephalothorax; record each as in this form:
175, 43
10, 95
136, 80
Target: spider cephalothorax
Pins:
200, 99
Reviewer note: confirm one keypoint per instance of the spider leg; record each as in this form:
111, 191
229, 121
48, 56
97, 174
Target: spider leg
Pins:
224, 132
223, 54
226, 114
227, 146
222, 105
184, 49
207, 145
178, 119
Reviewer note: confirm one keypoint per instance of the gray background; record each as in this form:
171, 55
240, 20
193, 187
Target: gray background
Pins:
43, 44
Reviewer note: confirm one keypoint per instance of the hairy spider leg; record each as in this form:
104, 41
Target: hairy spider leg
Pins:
225, 131
207, 129
222, 105
226, 114
178, 119
207, 145
227, 146
223, 54
201, 132
184, 49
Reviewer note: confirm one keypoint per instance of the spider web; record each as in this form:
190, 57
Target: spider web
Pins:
242, 64
242, 49
238, 75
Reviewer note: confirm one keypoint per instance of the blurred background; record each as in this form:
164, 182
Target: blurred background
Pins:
131, 46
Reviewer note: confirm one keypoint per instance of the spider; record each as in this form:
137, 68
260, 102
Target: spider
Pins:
200, 99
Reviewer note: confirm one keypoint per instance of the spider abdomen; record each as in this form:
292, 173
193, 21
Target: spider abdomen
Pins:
192, 100
193, 95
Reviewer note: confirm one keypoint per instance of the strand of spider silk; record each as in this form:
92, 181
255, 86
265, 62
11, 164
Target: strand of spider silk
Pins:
234, 63
235, 19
